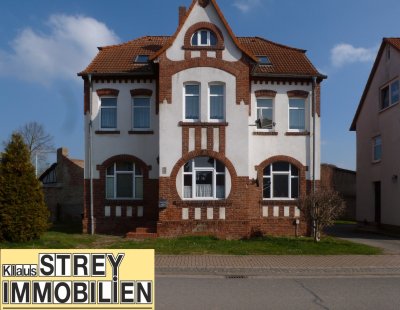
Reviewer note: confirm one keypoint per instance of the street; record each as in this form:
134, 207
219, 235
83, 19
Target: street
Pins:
277, 292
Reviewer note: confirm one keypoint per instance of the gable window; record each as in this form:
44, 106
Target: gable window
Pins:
108, 112
204, 178
141, 112
377, 151
124, 180
390, 95
264, 113
192, 101
281, 181
204, 37
217, 101
297, 119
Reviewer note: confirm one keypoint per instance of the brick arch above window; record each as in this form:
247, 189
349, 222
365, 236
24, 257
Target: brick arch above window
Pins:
141, 92
107, 92
297, 94
198, 153
265, 93
121, 158
207, 26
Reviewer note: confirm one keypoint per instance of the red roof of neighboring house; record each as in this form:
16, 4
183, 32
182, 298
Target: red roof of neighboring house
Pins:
395, 42
120, 59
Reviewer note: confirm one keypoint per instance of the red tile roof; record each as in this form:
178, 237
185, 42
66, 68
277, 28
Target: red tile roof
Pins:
119, 59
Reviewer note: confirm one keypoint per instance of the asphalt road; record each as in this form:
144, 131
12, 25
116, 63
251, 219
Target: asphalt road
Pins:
220, 293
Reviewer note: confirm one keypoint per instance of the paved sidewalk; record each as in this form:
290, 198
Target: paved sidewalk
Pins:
278, 265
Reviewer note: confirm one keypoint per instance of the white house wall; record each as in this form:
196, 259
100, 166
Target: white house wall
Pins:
105, 146
199, 14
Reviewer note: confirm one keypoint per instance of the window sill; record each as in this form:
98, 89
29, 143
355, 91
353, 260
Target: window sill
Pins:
265, 133
202, 203
297, 133
375, 162
388, 108
141, 132
107, 132
279, 201
210, 48
201, 124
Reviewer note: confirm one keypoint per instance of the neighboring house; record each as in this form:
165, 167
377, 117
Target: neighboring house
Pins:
202, 132
377, 123
344, 182
63, 188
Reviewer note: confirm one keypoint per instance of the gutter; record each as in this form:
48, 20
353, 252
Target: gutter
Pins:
90, 157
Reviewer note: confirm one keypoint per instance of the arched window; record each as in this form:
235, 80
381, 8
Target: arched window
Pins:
204, 178
281, 180
204, 37
124, 180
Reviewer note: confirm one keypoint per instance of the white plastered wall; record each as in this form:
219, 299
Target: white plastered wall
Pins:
105, 146
297, 147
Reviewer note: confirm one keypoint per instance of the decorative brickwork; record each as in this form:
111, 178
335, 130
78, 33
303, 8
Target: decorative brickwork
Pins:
107, 92
141, 92
203, 25
265, 93
298, 94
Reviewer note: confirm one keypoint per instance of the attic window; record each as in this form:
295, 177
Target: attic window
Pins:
142, 58
204, 37
264, 60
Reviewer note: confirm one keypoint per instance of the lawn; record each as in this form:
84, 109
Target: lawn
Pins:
57, 239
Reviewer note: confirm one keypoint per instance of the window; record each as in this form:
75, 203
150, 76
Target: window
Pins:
264, 60
377, 148
108, 111
204, 37
264, 113
281, 180
204, 178
124, 180
390, 95
217, 102
141, 113
192, 101
142, 58
297, 120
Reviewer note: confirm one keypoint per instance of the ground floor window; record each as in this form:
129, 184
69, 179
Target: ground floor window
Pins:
124, 180
204, 178
281, 180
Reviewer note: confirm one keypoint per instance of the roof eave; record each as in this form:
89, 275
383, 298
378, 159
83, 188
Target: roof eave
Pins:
289, 75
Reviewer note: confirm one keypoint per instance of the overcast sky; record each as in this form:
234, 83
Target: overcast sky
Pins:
44, 43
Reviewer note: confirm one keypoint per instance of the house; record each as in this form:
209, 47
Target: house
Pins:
63, 188
377, 126
342, 181
201, 132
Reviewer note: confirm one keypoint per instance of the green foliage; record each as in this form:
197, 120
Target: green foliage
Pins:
23, 213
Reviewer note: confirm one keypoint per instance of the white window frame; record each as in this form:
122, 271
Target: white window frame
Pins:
198, 43
286, 173
217, 120
375, 145
389, 87
114, 176
200, 169
305, 115
190, 95
262, 108
101, 112
133, 113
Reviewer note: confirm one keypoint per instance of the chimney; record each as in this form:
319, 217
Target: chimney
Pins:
182, 13
61, 152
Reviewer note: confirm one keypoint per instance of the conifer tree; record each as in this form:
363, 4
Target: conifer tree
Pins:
23, 213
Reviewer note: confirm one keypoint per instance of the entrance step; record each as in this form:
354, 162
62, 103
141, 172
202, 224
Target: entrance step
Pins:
142, 233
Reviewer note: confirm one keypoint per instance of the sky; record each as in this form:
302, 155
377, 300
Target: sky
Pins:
44, 43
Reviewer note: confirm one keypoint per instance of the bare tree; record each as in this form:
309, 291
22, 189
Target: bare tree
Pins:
321, 209
39, 143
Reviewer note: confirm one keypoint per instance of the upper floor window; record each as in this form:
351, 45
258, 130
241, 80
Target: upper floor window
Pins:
217, 101
204, 37
390, 95
192, 101
264, 60
377, 151
281, 180
297, 119
124, 180
141, 112
204, 178
265, 113
142, 58
108, 113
